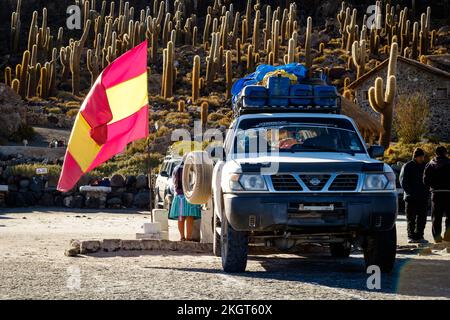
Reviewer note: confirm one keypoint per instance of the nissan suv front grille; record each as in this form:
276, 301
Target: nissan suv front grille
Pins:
285, 182
315, 182
344, 182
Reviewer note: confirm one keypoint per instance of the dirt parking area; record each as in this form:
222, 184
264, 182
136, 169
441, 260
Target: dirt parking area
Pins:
33, 266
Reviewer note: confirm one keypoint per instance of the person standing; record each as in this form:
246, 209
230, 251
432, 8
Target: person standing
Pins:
437, 178
181, 209
416, 195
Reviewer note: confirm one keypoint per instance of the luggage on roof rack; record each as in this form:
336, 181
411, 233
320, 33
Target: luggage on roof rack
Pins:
299, 98
284, 89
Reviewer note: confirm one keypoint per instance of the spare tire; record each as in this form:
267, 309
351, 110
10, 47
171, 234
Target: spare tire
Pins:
197, 177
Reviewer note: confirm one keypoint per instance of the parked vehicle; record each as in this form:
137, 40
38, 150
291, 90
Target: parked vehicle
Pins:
328, 187
164, 183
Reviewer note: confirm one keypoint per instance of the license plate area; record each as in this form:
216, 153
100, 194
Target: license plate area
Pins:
317, 213
305, 207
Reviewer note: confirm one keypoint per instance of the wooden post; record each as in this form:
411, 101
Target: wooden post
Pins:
150, 192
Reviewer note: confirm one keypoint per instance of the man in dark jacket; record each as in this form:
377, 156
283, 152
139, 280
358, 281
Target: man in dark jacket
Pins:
416, 196
437, 178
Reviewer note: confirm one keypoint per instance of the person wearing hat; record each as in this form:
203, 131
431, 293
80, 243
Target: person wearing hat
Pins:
416, 195
437, 178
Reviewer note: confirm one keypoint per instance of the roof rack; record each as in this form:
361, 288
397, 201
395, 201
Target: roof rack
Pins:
241, 109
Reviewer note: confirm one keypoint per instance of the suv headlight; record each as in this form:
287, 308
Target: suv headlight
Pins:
248, 182
380, 181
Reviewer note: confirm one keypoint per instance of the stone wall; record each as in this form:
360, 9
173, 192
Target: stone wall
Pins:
411, 79
127, 192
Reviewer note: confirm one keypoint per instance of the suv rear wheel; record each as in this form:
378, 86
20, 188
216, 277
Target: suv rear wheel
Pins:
234, 248
380, 249
340, 250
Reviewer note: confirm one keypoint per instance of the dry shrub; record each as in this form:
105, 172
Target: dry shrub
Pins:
411, 119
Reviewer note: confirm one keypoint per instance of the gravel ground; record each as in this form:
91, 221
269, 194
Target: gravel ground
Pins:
33, 266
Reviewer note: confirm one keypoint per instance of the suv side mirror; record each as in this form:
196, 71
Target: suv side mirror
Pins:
376, 151
164, 174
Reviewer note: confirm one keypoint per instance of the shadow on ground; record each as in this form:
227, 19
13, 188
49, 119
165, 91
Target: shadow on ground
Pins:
411, 277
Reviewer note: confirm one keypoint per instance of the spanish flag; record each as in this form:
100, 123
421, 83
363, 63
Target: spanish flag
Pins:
114, 113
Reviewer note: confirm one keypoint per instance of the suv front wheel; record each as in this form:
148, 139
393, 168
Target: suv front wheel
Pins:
234, 248
380, 249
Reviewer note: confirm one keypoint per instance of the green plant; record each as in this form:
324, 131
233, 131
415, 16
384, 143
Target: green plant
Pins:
411, 117
383, 101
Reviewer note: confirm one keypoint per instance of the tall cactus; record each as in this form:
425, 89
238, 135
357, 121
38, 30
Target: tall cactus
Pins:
351, 30
383, 101
359, 57
169, 70
291, 51
15, 28
196, 79
308, 53
229, 74
75, 59
23, 87
8, 76
204, 113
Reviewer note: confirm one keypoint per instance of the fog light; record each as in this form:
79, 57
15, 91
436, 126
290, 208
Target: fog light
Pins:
252, 221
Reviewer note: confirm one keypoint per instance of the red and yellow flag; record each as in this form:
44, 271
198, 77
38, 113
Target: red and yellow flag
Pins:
114, 113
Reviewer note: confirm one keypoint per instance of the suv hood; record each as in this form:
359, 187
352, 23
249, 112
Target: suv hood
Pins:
309, 162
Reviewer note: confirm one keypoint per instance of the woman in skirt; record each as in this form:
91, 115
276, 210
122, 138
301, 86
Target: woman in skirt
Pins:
181, 209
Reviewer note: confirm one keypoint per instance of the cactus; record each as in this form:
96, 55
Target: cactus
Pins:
415, 42
93, 65
8, 76
15, 85
52, 73
229, 74
276, 41
291, 51
321, 48
359, 57
308, 54
24, 74
383, 101
244, 30
250, 59
43, 83
75, 59
15, 28
238, 52
346, 82
374, 42
351, 31
33, 30
33, 74
181, 106
212, 59
267, 28
169, 70
196, 79
204, 113
64, 57
255, 40
153, 29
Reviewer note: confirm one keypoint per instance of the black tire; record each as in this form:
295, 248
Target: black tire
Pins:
380, 249
234, 248
216, 236
340, 250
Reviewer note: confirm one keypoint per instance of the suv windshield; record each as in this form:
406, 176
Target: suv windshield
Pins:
292, 136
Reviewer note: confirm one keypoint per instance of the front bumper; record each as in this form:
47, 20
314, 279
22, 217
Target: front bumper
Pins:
352, 212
